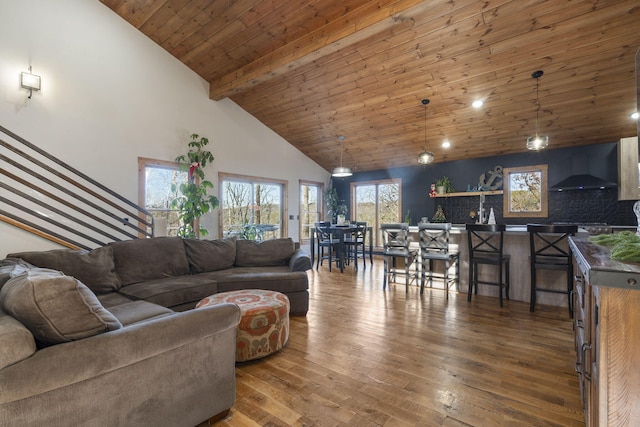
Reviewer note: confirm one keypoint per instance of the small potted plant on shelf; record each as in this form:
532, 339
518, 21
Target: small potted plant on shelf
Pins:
444, 185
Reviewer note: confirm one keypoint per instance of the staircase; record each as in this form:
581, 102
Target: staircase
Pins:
49, 198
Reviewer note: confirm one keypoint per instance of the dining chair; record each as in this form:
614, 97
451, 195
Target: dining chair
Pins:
356, 240
486, 247
395, 241
435, 246
325, 240
549, 251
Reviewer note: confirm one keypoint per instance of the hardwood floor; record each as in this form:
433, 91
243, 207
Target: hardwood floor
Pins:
366, 357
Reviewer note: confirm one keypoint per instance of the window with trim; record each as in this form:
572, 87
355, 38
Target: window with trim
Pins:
525, 192
377, 202
252, 207
155, 178
311, 203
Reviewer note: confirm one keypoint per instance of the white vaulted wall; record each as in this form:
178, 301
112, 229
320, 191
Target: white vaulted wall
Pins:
110, 95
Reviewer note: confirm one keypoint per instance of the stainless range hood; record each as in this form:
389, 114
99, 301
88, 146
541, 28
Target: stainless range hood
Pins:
582, 182
581, 179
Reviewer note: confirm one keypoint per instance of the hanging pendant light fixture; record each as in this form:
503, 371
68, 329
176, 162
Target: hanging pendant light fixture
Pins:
341, 171
537, 142
425, 157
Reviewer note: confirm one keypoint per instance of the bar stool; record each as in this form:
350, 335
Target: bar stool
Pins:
549, 251
486, 247
434, 246
326, 240
356, 239
395, 239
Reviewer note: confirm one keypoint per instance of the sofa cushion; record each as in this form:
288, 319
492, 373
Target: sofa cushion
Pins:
172, 291
276, 278
266, 253
54, 307
149, 259
16, 341
210, 255
93, 268
139, 311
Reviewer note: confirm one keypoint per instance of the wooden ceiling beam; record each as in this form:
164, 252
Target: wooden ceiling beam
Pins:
351, 29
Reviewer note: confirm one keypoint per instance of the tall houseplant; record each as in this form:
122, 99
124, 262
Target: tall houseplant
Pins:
193, 200
335, 206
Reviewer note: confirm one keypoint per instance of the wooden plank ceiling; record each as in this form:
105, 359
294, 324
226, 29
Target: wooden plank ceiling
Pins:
313, 70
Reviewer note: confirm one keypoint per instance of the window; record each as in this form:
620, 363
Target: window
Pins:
154, 193
311, 203
252, 203
525, 192
376, 202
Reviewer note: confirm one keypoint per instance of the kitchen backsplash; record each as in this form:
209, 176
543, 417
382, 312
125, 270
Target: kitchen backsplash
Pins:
573, 206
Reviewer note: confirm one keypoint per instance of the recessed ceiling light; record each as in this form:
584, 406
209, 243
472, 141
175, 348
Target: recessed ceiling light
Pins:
477, 103
635, 116
446, 144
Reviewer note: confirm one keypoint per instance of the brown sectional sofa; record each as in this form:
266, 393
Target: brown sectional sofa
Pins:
107, 337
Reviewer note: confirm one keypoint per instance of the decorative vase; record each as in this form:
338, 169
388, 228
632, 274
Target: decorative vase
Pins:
440, 189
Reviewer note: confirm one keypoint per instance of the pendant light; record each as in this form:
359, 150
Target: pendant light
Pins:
341, 171
425, 157
537, 142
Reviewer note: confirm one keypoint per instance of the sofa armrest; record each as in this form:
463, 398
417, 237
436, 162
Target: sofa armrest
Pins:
73, 362
300, 261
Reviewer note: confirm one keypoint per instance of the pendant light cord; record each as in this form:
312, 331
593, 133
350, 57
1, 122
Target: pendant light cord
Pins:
537, 104
425, 102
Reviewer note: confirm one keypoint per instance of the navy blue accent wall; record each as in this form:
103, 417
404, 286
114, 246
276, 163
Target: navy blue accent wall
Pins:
580, 206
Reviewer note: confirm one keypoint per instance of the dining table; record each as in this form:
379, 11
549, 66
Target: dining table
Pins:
341, 231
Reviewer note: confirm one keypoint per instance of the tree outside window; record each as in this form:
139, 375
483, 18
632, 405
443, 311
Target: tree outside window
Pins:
250, 208
155, 193
525, 191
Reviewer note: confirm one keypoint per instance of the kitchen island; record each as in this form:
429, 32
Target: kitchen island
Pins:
516, 244
607, 334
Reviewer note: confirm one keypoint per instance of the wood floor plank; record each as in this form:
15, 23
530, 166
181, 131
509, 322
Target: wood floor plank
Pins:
367, 357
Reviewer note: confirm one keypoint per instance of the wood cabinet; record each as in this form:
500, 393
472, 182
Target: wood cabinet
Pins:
607, 335
628, 181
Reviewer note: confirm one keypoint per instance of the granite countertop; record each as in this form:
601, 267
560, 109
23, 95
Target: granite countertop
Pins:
596, 265
511, 228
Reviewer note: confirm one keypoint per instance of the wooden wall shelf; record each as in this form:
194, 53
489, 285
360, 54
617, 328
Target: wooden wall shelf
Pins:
470, 193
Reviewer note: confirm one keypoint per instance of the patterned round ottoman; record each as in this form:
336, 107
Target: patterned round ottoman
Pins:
264, 325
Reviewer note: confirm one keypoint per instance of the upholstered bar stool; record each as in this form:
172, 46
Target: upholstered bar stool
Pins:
549, 251
486, 247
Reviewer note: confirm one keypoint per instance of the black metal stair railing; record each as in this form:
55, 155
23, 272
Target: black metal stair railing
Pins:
45, 196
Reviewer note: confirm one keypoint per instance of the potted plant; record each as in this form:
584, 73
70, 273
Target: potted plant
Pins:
444, 185
193, 201
250, 232
335, 206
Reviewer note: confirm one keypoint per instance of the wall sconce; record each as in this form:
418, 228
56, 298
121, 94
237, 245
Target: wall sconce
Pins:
29, 81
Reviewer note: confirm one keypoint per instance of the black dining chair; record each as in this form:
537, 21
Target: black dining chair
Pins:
325, 240
435, 246
355, 241
486, 247
549, 251
395, 241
